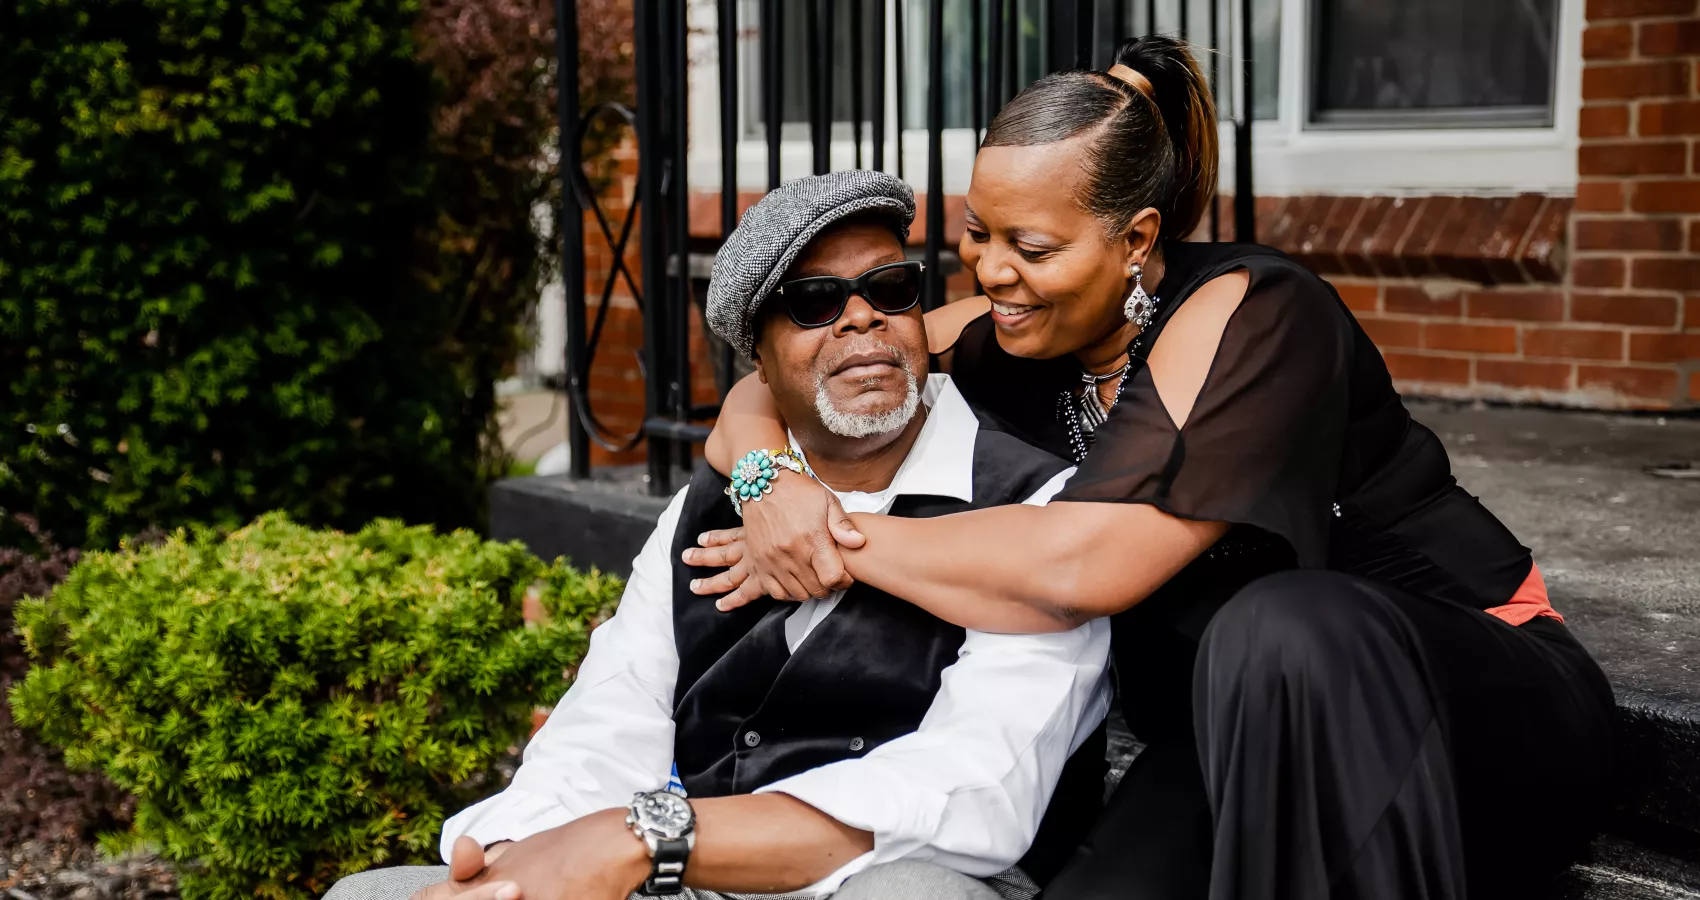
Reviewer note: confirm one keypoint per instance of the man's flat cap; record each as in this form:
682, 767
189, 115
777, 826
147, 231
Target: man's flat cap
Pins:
775, 230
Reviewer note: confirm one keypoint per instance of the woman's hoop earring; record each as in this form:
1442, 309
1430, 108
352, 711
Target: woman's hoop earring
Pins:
1139, 305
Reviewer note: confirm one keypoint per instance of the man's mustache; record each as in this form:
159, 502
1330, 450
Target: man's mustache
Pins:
861, 352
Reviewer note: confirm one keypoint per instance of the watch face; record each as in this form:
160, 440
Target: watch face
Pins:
668, 815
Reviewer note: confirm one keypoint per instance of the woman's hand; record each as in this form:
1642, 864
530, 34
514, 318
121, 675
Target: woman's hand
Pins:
787, 549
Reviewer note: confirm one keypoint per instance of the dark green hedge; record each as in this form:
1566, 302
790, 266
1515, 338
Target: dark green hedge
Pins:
227, 284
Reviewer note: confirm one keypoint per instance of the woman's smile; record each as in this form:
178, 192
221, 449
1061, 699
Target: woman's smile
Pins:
1010, 315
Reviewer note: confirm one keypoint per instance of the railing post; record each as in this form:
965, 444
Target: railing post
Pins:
1245, 201
819, 138
1216, 94
773, 88
571, 221
856, 64
977, 68
652, 169
728, 38
934, 296
877, 119
1012, 51
728, 35
1084, 12
994, 59
677, 302
899, 44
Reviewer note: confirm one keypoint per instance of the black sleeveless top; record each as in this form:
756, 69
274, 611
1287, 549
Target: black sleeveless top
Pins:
1297, 438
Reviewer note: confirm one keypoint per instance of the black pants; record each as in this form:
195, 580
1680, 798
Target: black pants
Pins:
1352, 740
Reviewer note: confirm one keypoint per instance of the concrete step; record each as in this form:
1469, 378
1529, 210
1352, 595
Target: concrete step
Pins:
1618, 870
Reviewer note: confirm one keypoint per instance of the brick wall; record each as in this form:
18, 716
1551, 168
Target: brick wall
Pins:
1635, 279
1592, 301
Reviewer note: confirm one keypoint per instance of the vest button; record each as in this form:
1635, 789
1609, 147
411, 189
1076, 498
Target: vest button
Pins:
751, 739
856, 745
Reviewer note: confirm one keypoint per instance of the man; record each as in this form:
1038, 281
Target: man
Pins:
852, 745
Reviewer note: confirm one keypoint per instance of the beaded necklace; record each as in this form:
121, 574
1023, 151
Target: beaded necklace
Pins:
1082, 412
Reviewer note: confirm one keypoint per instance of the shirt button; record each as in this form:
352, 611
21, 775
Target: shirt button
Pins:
856, 744
751, 739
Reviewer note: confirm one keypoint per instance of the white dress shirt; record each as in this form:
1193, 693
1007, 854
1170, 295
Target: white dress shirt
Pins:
966, 790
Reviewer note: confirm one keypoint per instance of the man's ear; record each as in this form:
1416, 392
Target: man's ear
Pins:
760, 372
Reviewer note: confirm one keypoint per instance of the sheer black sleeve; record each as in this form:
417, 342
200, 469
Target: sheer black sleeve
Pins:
1262, 445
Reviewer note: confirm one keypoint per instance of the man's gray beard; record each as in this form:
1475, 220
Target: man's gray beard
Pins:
861, 425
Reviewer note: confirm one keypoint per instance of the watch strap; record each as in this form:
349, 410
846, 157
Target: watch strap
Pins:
667, 867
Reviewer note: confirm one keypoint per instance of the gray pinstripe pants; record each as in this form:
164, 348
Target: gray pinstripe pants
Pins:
893, 881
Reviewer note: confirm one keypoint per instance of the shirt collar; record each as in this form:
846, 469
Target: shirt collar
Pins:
941, 462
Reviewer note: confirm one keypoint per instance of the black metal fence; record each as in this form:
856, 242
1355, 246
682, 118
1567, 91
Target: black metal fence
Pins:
800, 77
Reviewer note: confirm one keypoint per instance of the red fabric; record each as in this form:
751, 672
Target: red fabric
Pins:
1529, 601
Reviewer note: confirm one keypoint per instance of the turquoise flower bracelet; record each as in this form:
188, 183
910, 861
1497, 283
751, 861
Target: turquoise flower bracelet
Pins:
752, 476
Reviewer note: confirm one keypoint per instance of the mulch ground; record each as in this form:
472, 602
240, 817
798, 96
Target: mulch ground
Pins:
36, 871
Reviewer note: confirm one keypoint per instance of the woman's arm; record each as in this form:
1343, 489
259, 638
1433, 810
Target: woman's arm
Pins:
945, 324
1009, 569
1018, 569
748, 419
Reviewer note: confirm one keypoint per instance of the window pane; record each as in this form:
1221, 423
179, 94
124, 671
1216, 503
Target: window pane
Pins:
1033, 42
1216, 52
1031, 34
797, 50
1430, 62
1266, 54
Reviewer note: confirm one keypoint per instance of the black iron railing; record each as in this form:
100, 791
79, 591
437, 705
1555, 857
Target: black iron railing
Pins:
1002, 56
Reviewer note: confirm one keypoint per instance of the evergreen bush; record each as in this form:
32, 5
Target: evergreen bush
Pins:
292, 705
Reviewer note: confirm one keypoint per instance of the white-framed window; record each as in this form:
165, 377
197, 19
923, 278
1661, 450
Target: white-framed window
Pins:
1432, 64
1311, 146
1400, 97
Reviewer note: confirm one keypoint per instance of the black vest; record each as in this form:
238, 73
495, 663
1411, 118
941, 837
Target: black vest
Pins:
749, 712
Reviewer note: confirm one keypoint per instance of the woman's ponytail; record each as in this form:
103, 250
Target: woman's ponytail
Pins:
1182, 97
1152, 134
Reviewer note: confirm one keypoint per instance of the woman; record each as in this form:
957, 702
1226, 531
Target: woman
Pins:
1344, 668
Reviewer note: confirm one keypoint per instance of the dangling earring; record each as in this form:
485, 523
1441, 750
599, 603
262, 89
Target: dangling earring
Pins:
1138, 307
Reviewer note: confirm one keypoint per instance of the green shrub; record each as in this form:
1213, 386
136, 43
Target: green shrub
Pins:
291, 705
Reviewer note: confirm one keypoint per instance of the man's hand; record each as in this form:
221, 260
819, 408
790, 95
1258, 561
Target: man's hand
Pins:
593, 858
469, 860
787, 549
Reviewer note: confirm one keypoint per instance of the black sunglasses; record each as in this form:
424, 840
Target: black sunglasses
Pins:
892, 288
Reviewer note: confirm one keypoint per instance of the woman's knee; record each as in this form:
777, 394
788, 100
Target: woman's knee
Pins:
1295, 624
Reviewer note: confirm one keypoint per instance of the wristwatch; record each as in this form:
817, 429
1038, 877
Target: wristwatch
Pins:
666, 824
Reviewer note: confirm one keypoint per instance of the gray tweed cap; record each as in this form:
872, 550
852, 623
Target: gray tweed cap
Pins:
774, 231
